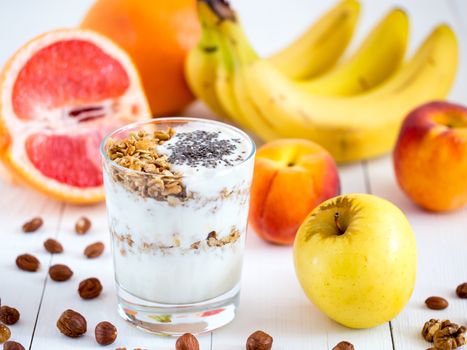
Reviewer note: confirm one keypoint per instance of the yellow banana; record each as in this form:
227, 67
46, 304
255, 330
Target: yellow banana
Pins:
379, 56
223, 82
248, 115
201, 63
351, 128
322, 44
337, 25
358, 127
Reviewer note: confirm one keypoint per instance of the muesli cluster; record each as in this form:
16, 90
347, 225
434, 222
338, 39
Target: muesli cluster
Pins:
139, 152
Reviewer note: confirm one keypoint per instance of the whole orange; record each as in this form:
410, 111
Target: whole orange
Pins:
158, 35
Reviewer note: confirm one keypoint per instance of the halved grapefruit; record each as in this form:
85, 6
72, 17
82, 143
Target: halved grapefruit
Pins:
60, 94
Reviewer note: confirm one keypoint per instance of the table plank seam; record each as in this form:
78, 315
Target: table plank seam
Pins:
366, 175
46, 278
40, 306
392, 335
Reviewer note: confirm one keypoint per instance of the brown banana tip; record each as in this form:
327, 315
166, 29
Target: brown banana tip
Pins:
221, 8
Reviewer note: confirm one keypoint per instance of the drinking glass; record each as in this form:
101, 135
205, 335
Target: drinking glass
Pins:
178, 258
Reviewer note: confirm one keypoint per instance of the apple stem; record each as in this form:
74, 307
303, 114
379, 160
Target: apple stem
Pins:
339, 227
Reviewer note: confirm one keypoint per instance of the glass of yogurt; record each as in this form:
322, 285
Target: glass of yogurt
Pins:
177, 194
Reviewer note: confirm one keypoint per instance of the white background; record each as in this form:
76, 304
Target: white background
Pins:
271, 297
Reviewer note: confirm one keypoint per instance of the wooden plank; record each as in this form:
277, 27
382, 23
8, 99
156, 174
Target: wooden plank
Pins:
442, 261
60, 296
272, 300
20, 289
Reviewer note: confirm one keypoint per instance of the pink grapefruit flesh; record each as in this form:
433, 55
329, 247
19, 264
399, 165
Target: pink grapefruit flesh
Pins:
71, 72
65, 90
51, 156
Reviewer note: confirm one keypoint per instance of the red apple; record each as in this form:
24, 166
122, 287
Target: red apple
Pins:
430, 158
291, 178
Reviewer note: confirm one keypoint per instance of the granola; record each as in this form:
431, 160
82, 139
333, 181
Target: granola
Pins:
153, 176
212, 240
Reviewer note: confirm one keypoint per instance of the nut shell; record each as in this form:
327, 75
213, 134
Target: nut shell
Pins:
72, 324
60, 273
344, 345
461, 290
187, 342
27, 262
82, 226
436, 303
9, 315
105, 333
90, 288
94, 250
5, 333
32, 225
53, 246
259, 340
12, 345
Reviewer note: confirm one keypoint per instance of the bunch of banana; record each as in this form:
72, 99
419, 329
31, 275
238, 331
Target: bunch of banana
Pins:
353, 108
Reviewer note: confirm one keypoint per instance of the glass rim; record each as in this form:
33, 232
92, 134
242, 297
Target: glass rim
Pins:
161, 120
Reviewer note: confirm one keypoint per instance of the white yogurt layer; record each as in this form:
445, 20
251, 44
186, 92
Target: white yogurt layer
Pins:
153, 253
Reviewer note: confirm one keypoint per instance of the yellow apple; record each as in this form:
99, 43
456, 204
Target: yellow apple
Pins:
356, 259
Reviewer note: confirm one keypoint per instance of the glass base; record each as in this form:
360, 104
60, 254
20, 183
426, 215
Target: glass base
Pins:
174, 319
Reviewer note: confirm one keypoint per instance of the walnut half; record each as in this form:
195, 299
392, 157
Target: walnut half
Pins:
450, 336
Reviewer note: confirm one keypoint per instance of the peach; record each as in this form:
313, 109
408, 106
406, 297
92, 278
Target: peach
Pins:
291, 177
430, 158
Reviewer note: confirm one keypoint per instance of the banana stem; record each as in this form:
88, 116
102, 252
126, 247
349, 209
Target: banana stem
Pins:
221, 8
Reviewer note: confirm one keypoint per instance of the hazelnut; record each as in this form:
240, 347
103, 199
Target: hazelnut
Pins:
259, 340
72, 324
83, 225
187, 342
105, 333
12, 345
53, 246
90, 288
5, 333
60, 272
461, 290
343, 345
9, 315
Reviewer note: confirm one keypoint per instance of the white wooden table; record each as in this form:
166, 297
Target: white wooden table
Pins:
271, 297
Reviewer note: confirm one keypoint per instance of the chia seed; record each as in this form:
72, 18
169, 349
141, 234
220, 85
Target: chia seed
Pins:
202, 148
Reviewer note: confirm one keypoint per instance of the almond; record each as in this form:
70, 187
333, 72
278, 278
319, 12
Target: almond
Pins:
94, 250
27, 262
53, 246
436, 303
83, 225
60, 273
32, 225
